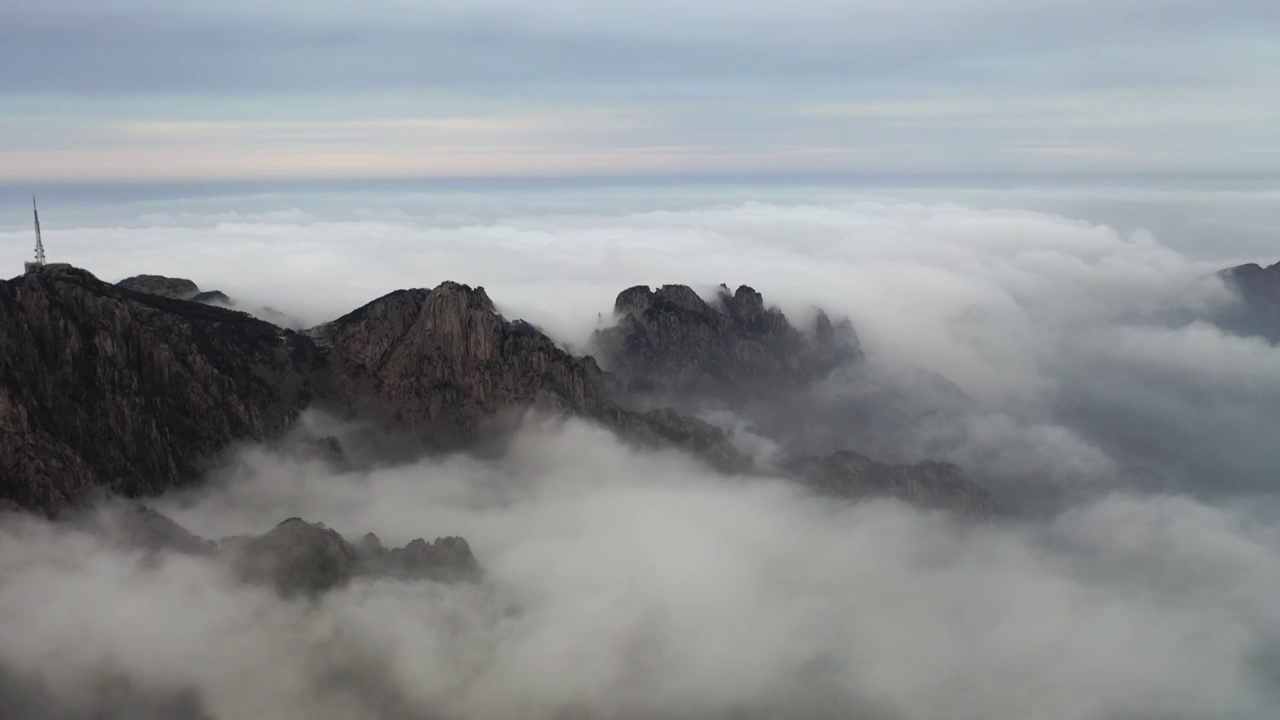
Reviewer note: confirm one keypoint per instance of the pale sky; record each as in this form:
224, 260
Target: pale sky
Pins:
96, 90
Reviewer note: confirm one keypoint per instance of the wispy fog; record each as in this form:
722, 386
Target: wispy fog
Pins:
1071, 368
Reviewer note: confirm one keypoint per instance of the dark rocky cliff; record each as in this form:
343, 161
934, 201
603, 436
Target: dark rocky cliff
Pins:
106, 388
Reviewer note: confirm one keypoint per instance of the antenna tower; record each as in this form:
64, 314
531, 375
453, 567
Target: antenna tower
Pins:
35, 212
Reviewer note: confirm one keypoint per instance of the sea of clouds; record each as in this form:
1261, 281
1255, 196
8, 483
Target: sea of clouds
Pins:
1080, 364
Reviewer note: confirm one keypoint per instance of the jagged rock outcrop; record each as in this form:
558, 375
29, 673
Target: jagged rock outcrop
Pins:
296, 557
1259, 288
447, 559
1259, 285
928, 484
299, 558
444, 361
213, 297
175, 288
108, 389
183, 289
672, 341
735, 353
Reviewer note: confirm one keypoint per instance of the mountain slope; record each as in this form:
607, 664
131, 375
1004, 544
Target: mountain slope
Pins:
106, 388
444, 361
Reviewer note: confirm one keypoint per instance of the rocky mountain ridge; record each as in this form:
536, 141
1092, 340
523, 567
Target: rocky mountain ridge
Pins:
1259, 289
297, 558
103, 388
444, 361
176, 289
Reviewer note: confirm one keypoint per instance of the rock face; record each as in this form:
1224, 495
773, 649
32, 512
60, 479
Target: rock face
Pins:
103, 388
672, 341
1259, 287
444, 360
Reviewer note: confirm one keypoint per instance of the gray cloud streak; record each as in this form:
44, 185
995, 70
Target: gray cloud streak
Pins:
90, 49
1113, 85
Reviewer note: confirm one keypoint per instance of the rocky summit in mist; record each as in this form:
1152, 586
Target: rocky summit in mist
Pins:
139, 388
1259, 289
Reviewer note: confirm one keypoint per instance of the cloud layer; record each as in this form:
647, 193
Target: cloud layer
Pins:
163, 91
628, 585
1084, 384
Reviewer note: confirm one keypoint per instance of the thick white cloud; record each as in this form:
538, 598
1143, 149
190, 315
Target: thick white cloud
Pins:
623, 584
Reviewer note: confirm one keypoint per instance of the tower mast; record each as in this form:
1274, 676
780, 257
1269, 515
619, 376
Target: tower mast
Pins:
35, 212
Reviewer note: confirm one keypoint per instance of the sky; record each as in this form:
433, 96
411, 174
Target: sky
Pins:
142, 90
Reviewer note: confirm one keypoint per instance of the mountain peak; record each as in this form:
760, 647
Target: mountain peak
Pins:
105, 388
673, 340
176, 288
